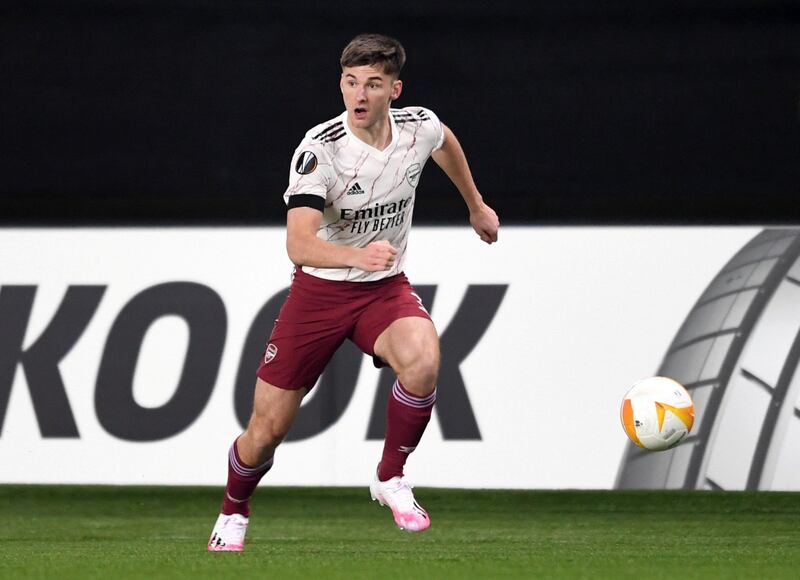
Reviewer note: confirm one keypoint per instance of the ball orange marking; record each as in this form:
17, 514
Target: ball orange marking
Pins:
685, 414
628, 422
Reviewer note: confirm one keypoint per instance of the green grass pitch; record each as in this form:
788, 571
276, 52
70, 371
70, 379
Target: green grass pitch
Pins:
161, 532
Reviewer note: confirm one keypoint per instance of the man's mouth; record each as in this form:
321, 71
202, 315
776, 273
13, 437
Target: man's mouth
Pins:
360, 113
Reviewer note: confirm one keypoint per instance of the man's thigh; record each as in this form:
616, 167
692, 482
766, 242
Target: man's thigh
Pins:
397, 302
407, 341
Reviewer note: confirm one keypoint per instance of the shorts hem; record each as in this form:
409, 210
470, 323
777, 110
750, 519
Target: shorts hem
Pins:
261, 376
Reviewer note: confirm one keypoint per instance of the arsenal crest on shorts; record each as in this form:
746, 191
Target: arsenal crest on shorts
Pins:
270, 353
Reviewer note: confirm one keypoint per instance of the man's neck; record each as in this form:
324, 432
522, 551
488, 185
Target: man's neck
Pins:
378, 136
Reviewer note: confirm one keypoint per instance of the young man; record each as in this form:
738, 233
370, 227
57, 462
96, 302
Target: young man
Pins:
350, 200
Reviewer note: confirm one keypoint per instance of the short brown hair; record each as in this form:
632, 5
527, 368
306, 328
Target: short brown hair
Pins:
375, 49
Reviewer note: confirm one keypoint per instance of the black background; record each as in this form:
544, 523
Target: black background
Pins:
570, 111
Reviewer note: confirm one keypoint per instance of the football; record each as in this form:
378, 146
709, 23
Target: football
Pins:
657, 413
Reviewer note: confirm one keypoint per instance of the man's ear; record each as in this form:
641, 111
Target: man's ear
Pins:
397, 88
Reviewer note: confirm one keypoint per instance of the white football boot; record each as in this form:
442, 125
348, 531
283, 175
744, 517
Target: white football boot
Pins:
397, 494
228, 533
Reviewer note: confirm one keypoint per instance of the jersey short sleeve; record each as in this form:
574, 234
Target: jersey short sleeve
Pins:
436, 127
309, 176
427, 127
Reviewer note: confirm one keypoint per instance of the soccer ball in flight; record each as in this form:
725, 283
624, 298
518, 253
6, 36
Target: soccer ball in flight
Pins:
657, 413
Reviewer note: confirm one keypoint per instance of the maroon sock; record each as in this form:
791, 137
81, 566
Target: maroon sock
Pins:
242, 481
407, 415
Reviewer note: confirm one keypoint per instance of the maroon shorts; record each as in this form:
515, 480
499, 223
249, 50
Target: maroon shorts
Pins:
320, 314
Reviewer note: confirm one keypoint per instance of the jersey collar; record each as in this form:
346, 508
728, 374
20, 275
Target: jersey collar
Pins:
369, 148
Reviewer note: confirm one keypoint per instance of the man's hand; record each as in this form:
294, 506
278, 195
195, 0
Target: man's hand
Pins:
485, 222
377, 256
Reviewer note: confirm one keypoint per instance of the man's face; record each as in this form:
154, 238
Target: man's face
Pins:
368, 93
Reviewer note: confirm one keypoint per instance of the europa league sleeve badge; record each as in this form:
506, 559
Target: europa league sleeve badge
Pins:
306, 163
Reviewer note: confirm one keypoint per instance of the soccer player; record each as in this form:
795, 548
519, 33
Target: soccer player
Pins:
350, 200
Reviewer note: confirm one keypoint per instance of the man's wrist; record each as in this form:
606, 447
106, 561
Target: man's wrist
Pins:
351, 256
474, 202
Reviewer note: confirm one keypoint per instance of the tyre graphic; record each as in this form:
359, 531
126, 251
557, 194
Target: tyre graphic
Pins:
736, 353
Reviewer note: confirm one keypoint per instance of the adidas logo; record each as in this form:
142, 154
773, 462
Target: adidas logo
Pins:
355, 190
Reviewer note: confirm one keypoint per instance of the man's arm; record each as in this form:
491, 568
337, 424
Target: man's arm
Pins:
306, 249
450, 157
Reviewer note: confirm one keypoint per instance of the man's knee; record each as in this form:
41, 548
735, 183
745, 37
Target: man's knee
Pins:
274, 411
411, 346
266, 430
421, 371
428, 364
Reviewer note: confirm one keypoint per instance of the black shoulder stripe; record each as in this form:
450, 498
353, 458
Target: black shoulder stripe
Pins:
401, 121
336, 137
406, 117
327, 130
306, 200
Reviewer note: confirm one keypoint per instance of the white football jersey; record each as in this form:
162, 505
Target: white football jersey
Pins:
368, 194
